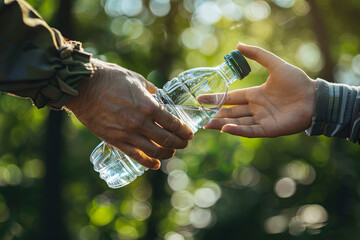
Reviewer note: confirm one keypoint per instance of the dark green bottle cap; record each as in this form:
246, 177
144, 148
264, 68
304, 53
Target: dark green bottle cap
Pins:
238, 63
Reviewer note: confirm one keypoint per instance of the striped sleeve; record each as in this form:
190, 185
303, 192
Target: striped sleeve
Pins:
337, 112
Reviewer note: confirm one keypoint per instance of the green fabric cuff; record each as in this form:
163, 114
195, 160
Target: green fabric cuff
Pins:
75, 66
36, 61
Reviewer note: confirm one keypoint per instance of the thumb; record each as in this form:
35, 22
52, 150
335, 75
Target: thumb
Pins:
260, 55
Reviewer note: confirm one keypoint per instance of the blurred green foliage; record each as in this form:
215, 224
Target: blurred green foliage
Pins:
220, 186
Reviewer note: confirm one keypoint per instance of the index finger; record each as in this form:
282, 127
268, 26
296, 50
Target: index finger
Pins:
172, 124
260, 55
235, 97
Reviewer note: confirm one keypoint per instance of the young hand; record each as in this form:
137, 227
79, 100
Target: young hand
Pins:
283, 105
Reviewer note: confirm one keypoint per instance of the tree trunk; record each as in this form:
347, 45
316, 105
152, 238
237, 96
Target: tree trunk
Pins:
54, 227
323, 39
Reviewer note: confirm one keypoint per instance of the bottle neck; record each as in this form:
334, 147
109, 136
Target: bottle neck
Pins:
227, 73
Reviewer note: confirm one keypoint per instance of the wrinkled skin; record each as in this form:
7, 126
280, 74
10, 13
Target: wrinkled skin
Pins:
283, 105
116, 105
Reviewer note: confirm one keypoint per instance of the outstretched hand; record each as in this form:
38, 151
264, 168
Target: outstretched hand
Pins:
283, 105
117, 106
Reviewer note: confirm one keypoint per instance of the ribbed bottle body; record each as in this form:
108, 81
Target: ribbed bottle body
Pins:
116, 168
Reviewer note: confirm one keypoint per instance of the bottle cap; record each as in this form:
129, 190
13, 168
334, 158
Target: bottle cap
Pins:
238, 63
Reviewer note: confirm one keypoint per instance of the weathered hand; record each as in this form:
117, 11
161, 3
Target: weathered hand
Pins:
283, 105
117, 106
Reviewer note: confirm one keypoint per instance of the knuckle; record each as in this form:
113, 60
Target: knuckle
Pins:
172, 141
149, 109
154, 152
174, 125
136, 122
167, 141
226, 111
123, 135
168, 154
134, 155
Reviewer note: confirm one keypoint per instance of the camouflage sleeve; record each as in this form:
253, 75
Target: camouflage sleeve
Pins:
36, 61
337, 112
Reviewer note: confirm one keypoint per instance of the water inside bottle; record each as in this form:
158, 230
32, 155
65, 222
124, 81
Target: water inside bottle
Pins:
195, 117
180, 95
115, 167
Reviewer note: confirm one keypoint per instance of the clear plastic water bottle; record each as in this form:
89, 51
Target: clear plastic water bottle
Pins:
179, 97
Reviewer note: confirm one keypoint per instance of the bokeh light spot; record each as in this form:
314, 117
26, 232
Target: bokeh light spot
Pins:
131, 7
257, 10
113, 8
174, 236
309, 56
181, 217
116, 25
133, 28
284, 3
205, 197
355, 64
189, 5
102, 212
208, 13
285, 187
102, 216
300, 171
182, 200
301, 8
200, 218
248, 176
313, 214
174, 164
141, 210
13, 175
210, 45
34, 168
191, 38
232, 10
296, 226
276, 224
178, 180
128, 232
89, 233
160, 8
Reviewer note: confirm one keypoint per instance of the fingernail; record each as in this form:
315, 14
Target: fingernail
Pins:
191, 135
157, 165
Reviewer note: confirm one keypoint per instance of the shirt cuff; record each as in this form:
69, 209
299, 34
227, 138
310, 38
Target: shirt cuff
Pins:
335, 114
75, 67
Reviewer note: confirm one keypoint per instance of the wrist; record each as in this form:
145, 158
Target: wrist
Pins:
310, 103
313, 93
333, 111
75, 102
